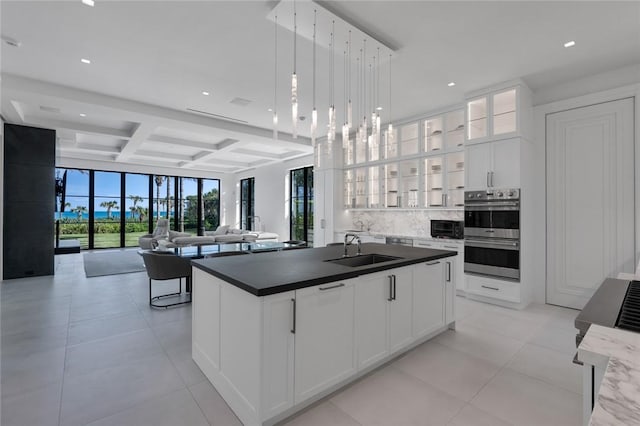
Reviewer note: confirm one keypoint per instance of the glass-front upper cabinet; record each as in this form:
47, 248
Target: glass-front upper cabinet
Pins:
455, 129
348, 184
504, 112
409, 139
433, 134
499, 114
455, 180
434, 181
361, 187
349, 154
361, 150
477, 118
373, 186
391, 185
390, 143
409, 184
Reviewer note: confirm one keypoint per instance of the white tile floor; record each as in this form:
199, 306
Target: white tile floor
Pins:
79, 351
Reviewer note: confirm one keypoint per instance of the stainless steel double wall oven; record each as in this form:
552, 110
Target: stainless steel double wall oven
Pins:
492, 233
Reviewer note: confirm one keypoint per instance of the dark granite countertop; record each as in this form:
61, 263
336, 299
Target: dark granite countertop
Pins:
276, 272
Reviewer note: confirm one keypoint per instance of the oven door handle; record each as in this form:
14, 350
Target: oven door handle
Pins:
481, 204
507, 245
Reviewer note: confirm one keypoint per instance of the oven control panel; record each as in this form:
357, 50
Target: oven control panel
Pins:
493, 195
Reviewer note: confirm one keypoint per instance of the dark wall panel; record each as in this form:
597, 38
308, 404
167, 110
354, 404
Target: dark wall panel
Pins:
29, 201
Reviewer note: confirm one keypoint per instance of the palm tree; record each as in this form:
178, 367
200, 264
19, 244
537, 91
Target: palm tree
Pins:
135, 199
158, 180
79, 210
109, 205
142, 213
60, 211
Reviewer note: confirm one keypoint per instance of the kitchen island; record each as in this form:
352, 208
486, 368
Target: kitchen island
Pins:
274, 332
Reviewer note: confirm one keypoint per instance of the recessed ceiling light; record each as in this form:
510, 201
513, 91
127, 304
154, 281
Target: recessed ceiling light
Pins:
88, 2
205, 93
85, 61
570, 43
270, 109
82, 114
451, 84
379, 108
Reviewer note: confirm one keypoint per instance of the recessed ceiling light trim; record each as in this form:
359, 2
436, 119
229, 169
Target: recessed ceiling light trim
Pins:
451, 84
570, 43
217, 115
85, 61
82, 114
88, 2
204, 92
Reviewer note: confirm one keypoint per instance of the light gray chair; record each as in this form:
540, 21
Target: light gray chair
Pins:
148, 241
167, 266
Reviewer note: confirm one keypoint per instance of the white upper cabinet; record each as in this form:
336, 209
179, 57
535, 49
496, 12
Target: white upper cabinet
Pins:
502, 113
493, 165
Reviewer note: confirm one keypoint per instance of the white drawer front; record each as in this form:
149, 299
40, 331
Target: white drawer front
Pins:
497, 289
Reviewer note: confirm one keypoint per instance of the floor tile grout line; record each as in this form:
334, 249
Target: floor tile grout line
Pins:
64, 368
198, 404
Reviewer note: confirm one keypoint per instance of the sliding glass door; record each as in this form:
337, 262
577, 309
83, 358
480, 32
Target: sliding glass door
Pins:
301, 204
247, 213
136, 210
105, 210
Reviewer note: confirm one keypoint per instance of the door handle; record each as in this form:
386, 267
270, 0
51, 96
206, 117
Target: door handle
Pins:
490, 288
331, 286
394, 287
293, 325
433, 263
448, 272
390, 288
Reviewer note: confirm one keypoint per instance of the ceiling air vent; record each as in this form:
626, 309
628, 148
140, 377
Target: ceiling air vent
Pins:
50, 109
240, 102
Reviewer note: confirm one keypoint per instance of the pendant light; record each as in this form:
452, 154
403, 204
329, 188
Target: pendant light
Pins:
314, 113
365, 126
390, 133
332, 109
294, 79
349, 106
275, 83
345, 125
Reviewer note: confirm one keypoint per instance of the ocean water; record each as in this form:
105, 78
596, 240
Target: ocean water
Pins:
98, 215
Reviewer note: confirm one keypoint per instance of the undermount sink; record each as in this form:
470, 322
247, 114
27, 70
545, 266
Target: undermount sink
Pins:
363, 259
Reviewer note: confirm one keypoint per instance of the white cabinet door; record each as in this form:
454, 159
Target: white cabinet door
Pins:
204, 310
458, 271
277, 353
324, 337
428, 298
478, 160
373, 292
400, 309
506, 164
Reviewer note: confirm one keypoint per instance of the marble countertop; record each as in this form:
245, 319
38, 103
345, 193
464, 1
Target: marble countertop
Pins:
618, 351
413, 237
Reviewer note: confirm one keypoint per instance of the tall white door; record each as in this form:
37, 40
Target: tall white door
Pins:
590, 199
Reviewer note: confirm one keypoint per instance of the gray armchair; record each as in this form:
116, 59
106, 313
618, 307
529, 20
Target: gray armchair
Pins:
167, 266
148, 241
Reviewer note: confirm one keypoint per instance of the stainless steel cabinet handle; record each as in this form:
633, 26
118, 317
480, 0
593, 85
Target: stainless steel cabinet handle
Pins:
448, 272
451, 247
444, 200
293, 327
394, 287
490, 288
433, 263
390, 288
492, 179
331, 286
488, 183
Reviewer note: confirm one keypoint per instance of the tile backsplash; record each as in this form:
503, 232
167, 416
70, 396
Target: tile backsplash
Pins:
415, 223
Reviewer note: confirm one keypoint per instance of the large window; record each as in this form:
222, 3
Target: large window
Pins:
72, 208
247, 213
106, 209
136, 210
113, 209
301, 208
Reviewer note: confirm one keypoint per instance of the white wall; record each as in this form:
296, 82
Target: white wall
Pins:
539, 159
271, 195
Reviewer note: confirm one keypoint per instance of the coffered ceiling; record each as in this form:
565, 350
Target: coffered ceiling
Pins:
140, 101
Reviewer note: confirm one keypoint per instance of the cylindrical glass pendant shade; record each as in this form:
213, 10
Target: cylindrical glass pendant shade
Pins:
275, 125
331, 136
349, 114
314, 126
345, 136
294, 104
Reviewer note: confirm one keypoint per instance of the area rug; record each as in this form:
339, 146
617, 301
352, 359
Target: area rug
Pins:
98, 264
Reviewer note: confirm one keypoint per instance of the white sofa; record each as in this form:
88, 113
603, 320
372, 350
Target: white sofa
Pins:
223, 234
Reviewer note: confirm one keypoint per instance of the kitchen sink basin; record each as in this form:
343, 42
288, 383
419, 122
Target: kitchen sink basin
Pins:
363, 259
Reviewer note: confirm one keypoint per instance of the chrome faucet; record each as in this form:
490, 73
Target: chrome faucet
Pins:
353, 237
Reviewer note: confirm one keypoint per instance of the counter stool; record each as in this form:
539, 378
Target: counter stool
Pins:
163, 266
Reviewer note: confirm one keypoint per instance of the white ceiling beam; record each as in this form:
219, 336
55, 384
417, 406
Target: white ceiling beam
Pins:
182, 142
139, 135
255, 153
88, 129
167, 155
